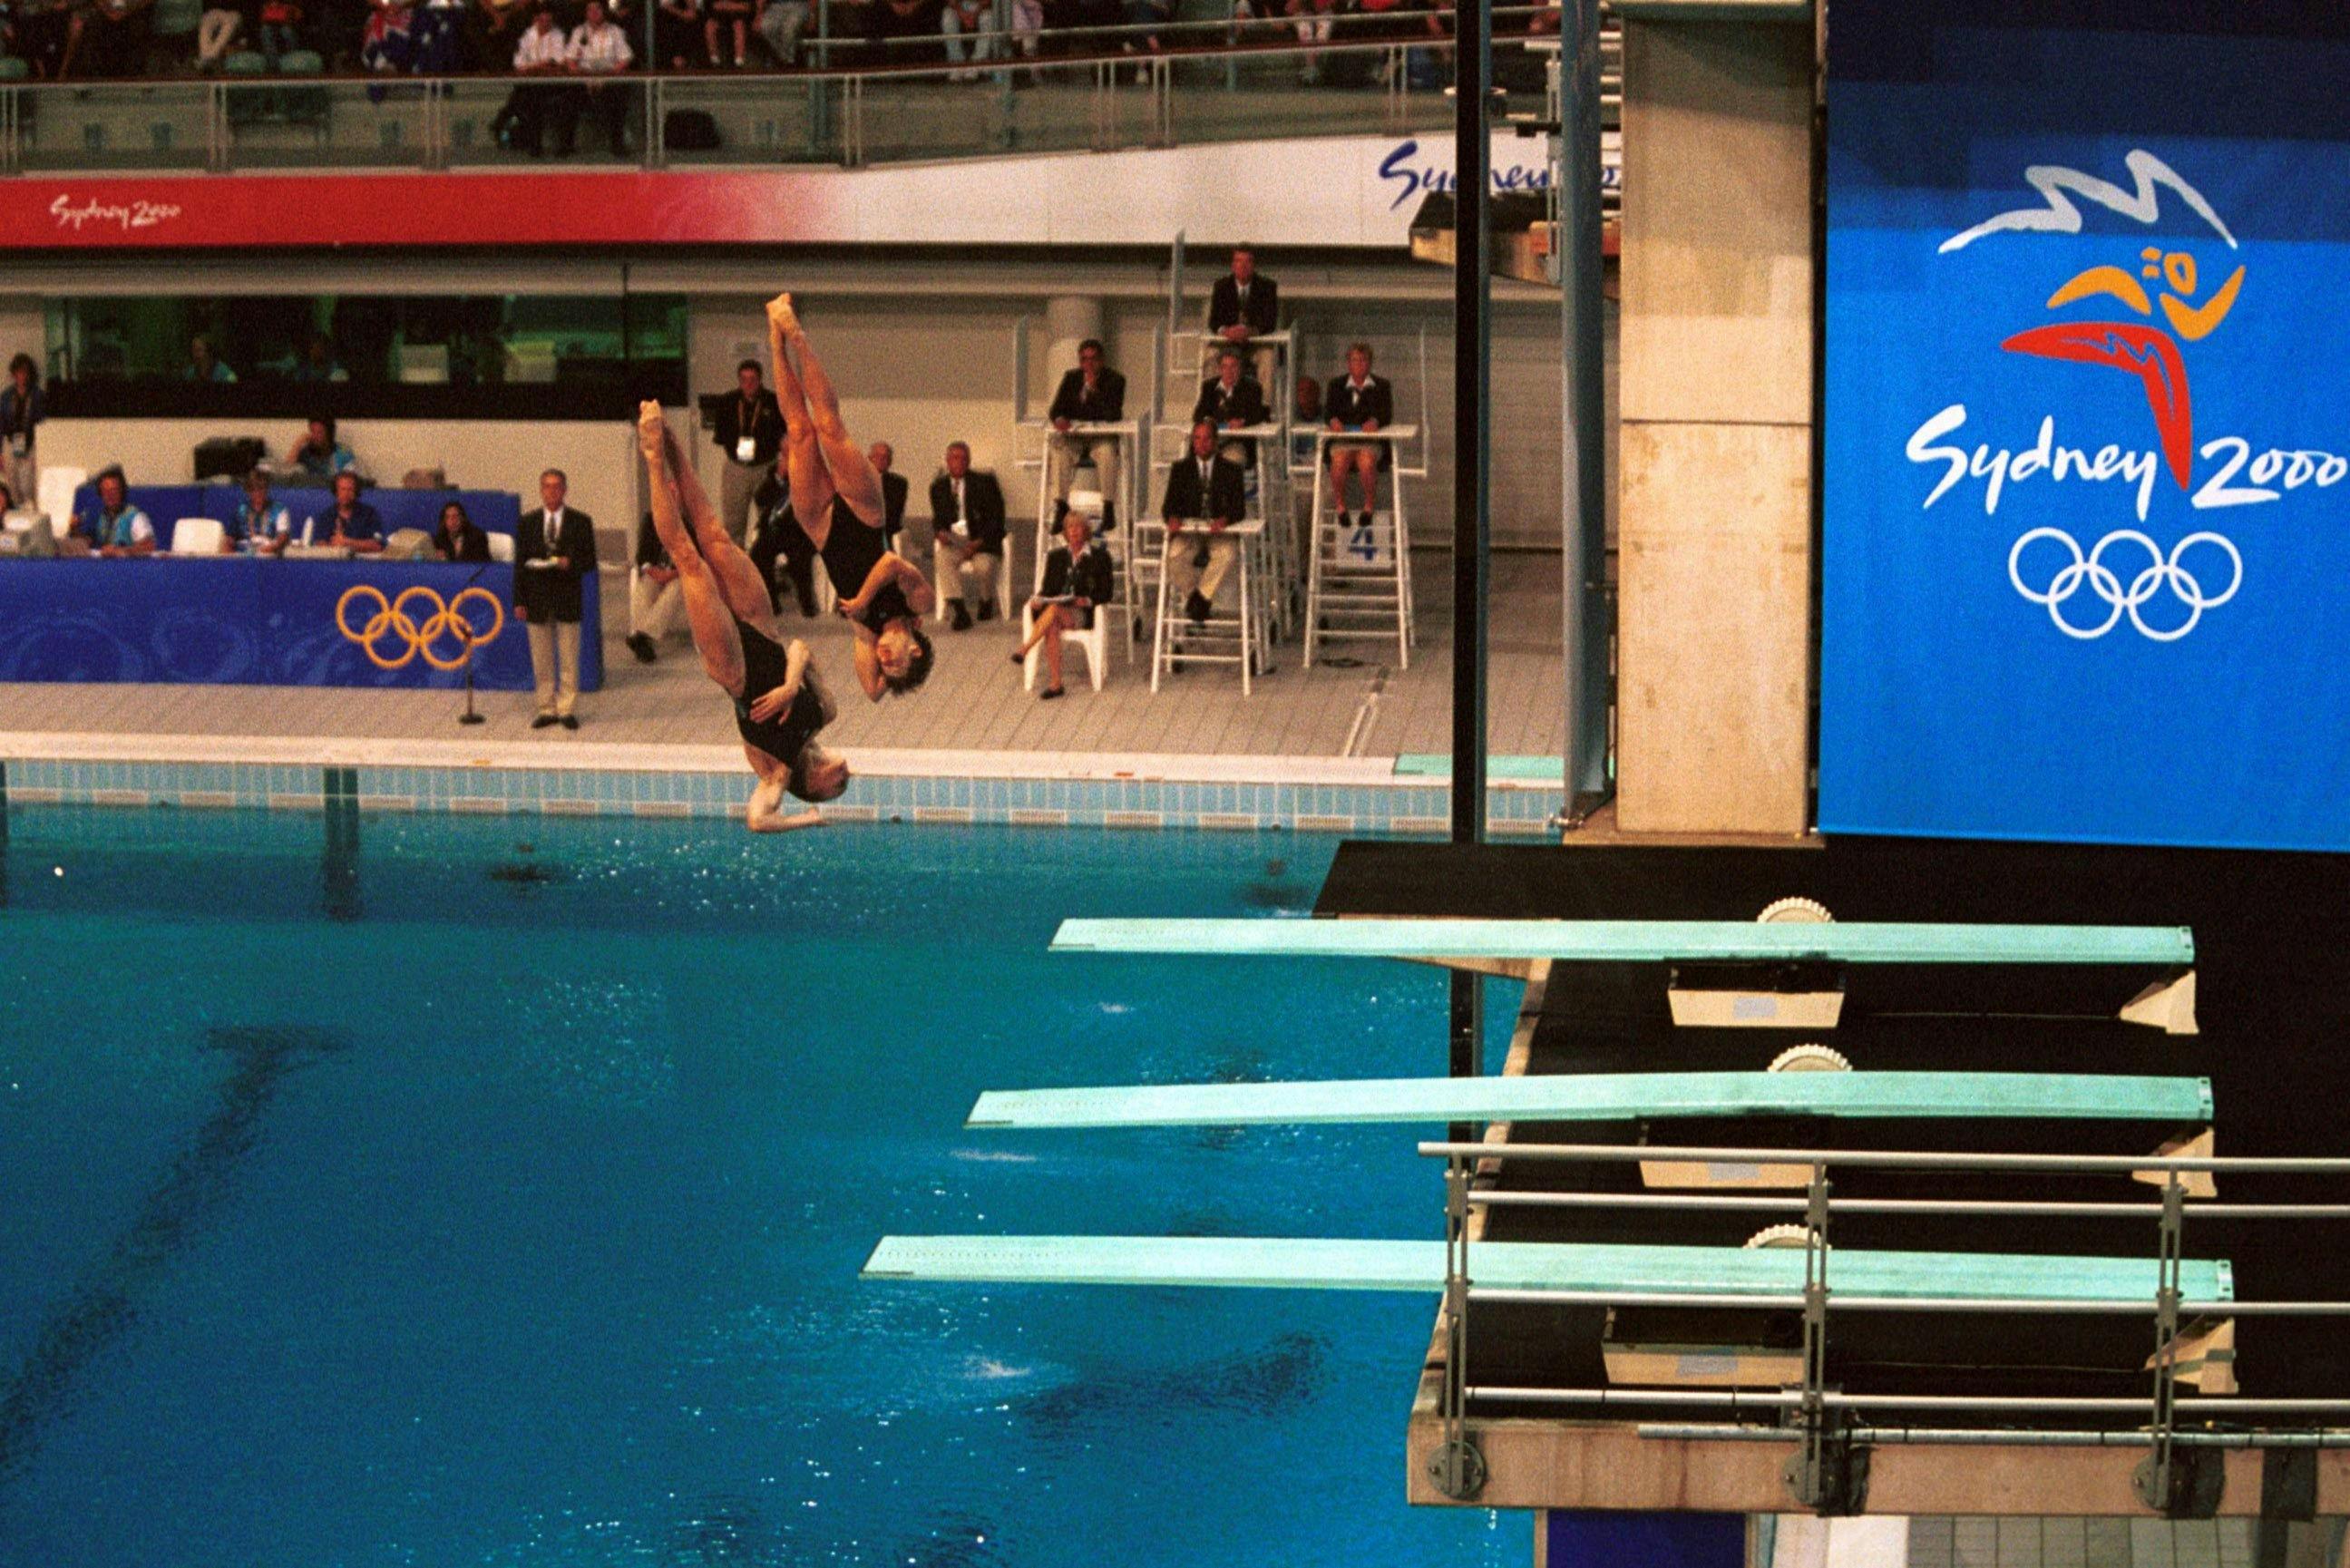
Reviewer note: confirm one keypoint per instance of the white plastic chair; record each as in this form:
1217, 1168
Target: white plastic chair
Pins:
57, 487
197, 536
1094, 640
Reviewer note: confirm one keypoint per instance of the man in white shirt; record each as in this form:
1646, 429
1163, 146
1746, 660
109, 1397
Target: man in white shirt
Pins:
599, 48
543, 52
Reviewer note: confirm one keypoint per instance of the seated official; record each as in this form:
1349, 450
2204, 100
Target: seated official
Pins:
894, 491
1077, 582
349, 524
1358, 401
115, 528
1231, 401
205, 364
1205, 496
1245, 305
457, 538
777, 538
318, 456
259, 526
967, 521
1093, 393
656, 602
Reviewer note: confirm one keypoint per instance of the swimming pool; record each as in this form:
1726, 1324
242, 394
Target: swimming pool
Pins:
458, 1190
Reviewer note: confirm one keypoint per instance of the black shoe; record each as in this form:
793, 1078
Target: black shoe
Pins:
987, 609
1050, 693
569, 720
962, 617
1197, 607
543, 722
1019, 659
642, 647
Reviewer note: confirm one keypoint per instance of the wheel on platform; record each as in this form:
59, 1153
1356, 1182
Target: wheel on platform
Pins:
1796, 911
1809, 1057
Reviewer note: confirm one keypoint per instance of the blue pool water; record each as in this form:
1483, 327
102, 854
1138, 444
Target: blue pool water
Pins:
493, 1191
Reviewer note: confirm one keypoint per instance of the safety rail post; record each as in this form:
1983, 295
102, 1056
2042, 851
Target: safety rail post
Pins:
1824, 1474
2160, 1478
1457, 1468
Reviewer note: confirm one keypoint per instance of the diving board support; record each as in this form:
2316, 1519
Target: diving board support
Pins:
2167, 1005
1457, 1468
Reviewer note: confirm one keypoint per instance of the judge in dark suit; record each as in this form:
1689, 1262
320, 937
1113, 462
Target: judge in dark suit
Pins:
1093, 393
1204, 497
1244, 306
779, 536
1230, 400
555, 548
748, 427
967, 519
1358, 401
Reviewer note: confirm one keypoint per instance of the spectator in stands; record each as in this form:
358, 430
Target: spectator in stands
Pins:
279, 32
1204, 497
555, 549
677, 35
349, 524
438, 49
114, 39
544, 51
318, 362
749, 429
494, 30
909, 19
599, 48
457, 538
967, 521
1076, 580
216, 34
204, 365
387, 45
259, 526
780, 23
1361, 401
1151, 13
318, 456
115, 528
44, 29
977, 18
728, 19
884, 459
1313, 19
1309, 400
1244, 306
1093, 393
20, 424
656, 603
1230, 401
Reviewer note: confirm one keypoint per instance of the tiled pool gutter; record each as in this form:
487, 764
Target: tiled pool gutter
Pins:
1351, 794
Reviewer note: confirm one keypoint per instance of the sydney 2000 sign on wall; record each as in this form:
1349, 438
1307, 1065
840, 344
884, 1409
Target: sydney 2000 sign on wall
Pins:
2087, 464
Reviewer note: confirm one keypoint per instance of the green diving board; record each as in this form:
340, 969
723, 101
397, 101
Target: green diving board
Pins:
1608, 1096
1330, 1265
1634, 941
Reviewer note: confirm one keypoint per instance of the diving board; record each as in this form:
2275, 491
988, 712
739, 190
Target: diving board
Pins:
1607, 1096
1692, 941
1306, 1264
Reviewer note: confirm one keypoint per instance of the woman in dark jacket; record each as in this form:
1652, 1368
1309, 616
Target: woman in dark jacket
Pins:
457, 539
1077, 581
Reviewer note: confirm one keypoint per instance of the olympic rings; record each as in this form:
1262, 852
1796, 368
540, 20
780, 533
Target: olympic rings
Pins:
392, 618
2090, 571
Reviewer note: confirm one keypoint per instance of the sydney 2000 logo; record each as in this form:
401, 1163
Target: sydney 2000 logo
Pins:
2152, 315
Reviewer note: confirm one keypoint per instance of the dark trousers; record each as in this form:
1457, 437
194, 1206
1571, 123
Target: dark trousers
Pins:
605, 106
781, 536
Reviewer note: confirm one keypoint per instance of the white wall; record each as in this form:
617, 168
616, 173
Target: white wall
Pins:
599, 457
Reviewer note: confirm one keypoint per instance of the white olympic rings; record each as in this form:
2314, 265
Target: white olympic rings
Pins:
2090, 571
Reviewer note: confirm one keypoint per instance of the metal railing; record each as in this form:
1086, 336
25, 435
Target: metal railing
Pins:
1825, 1473
1210, 81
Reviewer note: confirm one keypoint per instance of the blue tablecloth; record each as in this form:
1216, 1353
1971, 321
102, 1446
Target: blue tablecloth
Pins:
238, 620
493, 511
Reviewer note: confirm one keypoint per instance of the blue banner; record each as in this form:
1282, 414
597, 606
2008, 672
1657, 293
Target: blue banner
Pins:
236, 620
491, 511
2086, 572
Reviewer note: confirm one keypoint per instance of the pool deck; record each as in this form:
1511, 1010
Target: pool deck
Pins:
1339, 747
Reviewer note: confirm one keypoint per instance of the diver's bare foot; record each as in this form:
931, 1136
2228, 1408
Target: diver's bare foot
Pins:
652, 427
785, 319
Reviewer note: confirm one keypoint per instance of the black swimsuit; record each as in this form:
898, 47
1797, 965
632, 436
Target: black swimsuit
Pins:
851, 550
764, 667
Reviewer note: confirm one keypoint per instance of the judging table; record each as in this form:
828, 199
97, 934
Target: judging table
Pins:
255, 621
491, 511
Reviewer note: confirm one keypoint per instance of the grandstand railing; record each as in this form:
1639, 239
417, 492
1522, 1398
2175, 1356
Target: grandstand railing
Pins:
1210, 81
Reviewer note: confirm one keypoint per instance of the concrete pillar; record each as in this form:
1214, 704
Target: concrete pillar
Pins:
1715, 617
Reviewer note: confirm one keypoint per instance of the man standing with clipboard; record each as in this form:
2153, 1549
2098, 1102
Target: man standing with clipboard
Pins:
748, 427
